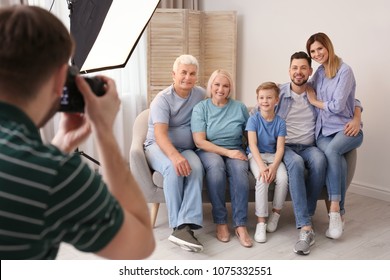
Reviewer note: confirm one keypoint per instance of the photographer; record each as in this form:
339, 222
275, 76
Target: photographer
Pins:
48, 195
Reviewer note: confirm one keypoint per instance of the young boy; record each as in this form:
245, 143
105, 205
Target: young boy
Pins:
266, 137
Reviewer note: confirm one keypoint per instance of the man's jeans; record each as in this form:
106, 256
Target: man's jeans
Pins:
304, 191
183, 195
334, 148
218, 169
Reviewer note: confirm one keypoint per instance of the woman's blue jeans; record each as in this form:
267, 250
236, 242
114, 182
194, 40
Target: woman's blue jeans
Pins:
218, 170
334, 148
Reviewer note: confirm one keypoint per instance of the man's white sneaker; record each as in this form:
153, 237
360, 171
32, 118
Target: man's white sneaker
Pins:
260, 234
335, 229
272, 223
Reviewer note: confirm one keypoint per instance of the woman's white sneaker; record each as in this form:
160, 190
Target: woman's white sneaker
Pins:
335, 229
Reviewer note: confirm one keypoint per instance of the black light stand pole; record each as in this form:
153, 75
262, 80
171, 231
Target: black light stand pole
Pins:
81, 153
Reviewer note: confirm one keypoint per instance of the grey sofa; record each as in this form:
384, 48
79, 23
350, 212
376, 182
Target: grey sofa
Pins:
151, 182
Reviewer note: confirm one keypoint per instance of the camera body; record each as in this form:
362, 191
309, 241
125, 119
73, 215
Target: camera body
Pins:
72, 100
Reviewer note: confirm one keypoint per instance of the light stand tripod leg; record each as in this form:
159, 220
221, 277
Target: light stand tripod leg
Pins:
88, 157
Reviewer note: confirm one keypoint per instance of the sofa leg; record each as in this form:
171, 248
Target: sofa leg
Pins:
154, 212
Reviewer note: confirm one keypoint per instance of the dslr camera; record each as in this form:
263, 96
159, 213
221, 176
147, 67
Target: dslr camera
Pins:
72, 100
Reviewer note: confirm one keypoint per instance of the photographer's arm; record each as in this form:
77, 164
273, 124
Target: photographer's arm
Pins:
135, 238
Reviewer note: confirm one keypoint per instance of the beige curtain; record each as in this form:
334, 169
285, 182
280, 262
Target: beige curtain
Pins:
10, 2
179, 4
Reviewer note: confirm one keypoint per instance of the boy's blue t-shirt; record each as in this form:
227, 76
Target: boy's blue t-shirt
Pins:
223, 126
267, 132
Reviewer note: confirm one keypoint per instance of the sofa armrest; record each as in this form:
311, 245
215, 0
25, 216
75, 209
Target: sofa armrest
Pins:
138, 164
351, 158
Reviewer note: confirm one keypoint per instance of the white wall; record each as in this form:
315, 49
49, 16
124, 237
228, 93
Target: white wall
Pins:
270, 31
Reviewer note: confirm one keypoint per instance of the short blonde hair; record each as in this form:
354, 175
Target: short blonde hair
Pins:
268, 85
223, 73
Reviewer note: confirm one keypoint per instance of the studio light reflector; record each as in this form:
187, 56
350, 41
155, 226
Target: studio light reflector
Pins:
107, 31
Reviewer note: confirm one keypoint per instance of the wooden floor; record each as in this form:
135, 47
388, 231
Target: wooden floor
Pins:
366, 236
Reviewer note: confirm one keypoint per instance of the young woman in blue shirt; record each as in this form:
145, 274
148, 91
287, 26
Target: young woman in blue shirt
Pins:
336, 130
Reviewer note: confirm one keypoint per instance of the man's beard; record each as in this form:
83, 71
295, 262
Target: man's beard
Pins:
53, 110
299, 84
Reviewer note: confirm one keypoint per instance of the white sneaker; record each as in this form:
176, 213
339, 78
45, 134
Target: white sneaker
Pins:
335, 229
260, 234
273, 222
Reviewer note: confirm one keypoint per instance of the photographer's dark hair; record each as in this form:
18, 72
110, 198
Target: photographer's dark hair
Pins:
301, 55
34, 42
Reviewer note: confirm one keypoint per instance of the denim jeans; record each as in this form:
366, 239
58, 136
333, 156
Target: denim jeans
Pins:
219, 169
281, 185
304, 191
183, 195
334, 148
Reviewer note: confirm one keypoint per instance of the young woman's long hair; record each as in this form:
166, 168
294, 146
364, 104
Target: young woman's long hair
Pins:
334, 62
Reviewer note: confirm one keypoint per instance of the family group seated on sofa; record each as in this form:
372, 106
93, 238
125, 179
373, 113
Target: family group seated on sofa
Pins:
300, 136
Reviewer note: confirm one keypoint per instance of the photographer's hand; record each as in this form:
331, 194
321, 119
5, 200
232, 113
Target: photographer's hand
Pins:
101, 110
73, 130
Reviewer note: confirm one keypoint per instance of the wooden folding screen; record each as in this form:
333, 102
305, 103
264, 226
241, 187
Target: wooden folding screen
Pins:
209, 36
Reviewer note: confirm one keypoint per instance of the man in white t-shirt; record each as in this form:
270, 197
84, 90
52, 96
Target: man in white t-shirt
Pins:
301, 152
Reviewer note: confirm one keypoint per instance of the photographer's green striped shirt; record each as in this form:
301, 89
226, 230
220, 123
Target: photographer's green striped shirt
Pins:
47, 197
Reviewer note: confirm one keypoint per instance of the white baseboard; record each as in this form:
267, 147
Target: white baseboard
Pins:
377, 192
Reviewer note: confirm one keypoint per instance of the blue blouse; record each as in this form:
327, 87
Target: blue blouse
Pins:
338, 95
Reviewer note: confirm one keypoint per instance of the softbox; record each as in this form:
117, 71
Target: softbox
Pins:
107, 31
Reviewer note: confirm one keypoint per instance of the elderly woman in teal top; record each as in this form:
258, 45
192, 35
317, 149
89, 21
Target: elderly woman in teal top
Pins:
337, 132
217, 124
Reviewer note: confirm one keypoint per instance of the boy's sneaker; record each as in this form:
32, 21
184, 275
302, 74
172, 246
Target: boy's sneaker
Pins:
306, 239
185, 238
336, 226
273, 222
260, 234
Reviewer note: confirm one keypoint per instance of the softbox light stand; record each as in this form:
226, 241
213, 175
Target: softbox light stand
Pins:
81, 153
86, 21
106, 33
